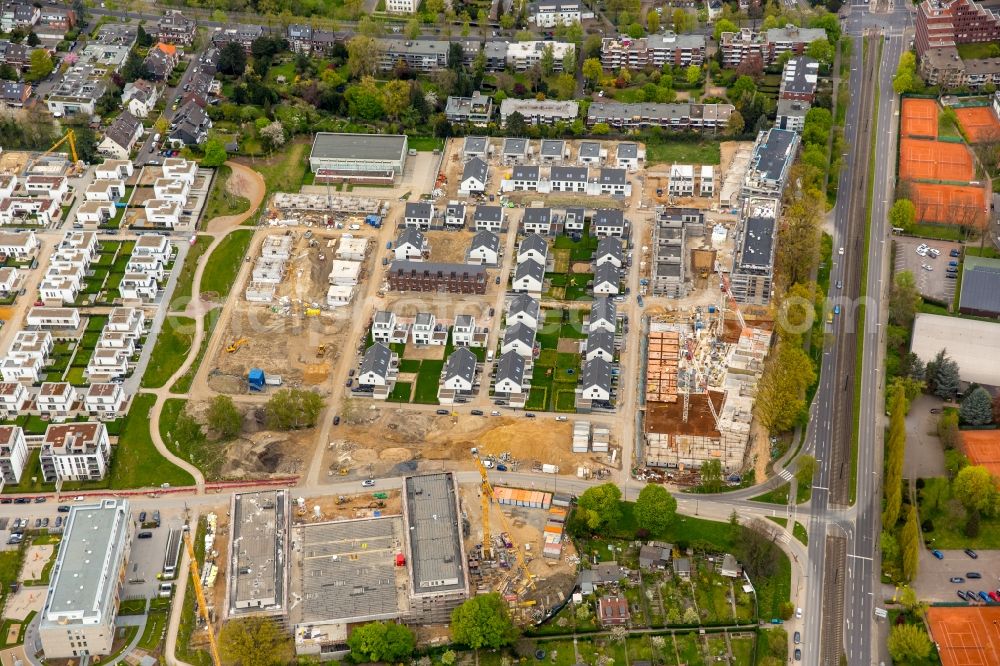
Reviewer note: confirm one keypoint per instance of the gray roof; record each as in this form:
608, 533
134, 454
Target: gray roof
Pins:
651, 554
422, 210
574, 214
336, 145
613, 176
423, 319
435, 537
123, 130
534, 242
628, 150
510, 366
601, 338
569, 173
486, 239
414, 237
488, 213
774, 152
980, 285
800, 75
463, 320
476, 168
524, 303
609, 245
607, 272
530, 269
461, 363
596, 372
590, 149
682, 565
758, 242
430, 267
257, 576
475, 145
85, 577
455, 209
603, 308
496, 50
553, 148
383, 317
377, 360
537, 215
792, 108
519, 332
514, 146
608, 217
523, 172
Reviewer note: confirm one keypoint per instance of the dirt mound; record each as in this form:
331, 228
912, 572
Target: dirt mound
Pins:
395, 455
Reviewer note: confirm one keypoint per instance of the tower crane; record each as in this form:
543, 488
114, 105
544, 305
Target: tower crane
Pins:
490, 498
200, 595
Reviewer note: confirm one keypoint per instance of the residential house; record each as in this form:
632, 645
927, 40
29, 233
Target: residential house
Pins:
655, 555
14, 94
515, 151
13, 450
488, 218
138, 287
729, 567
163, 214
568, 179
242, 34
77, 91
458, 377
154, 246
131, 321
706, 183
525, 178
474, 177
496, 55
591, 153
520, 339
537, 221
603, 315
454, 215
553, 151
511, 379
75, 452
484, 249
465, 334
189, 126
105, 190
574, 220
681, 183
609, 250
614, 182
600, 344
53, 187
19, 15
539, 112
14, 399
613, 610
53, 319
595, 383
306, 39
379, 370
791, 115
56, 400
550, 13
17, 56
411, 245
682, 568
33, 210
161, 60
609, 222
627, 156
524, 309
10, 278
476, 146
607, 278
533, 248
140, 97
118, 33
19, 245
114, 170
475, 110
105, 56
175, 28
426, 330
120, 138
528, 277
54, 22
418, 215
388, 330
105, 401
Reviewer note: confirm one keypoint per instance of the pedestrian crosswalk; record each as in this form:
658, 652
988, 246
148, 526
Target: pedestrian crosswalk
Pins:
786, 475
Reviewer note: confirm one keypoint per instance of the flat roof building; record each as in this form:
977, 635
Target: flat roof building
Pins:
258, 549
373, 158
753, 261
78, 618
974, 345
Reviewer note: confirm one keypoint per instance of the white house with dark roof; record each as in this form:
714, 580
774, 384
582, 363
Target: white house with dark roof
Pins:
520, 339
411, 245
484, 249
613, 182
515, 150
120, 138
568, 179
595, 383
488, 218
474, 177
476, 146
524, 178
591, 153
418, 215
529, 277
455, 215
426, 330
465, 334
574, 219
387, 329
458, 377
628, 155
600, 344
537, 221
524, 309
379, 370
533, 248
608, 222
553, 151
609, 250
511, 380
607, 279
603, 315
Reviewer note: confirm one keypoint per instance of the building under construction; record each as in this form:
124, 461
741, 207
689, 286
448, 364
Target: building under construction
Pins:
701, 380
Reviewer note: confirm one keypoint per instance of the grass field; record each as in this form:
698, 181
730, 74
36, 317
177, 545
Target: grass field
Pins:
401, 392
286, 171
136, 463
425, 143
203, 454
183, 384
172, 347
220, 201
799, 530
685, 152
948, 534
427, 382
978, 51
182, 291
224, 263
152, 634
777, 496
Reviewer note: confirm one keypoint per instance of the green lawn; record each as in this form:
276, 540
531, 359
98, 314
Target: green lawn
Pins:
401, 392
684, 152
136, 462
286, 170
978, 51
182, 291
948, 534
773, 591
777, 496
424, 143
946, 232
183, 385
152, 634
10, 566
203, 454
172, 346
220, 200
409, 365
132, 607
581, 250
427, 382
799, 530
224, 263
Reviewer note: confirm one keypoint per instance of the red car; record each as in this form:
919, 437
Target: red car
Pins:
995, 597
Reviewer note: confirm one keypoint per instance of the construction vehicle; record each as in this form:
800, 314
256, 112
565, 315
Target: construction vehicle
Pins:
313, 312
489, 498
200, 596
236, 344
321, 350
70, 136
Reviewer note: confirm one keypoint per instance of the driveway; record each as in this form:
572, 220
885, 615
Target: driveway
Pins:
924, 453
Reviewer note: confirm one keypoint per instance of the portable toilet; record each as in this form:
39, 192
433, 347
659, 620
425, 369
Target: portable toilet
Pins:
256, 379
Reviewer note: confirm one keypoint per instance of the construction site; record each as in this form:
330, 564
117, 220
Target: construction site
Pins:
702, 371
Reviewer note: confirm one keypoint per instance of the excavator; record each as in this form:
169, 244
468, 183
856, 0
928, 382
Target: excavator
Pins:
236, 344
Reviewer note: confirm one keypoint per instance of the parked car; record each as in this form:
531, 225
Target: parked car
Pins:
501, 467
145, 535
59, 521
38, 523
985, 597
442, 412
961, 595
971, 553
956, 579
953, 264
336, 420
368, 483
350, 383
529, 415
63, 509
840, 284
798, 654
6, 500
142, 516
954, 253
938, 554
494, 413
39, 500
477, 412
973, 575
797, 637
951, 276
45, 522
934, 252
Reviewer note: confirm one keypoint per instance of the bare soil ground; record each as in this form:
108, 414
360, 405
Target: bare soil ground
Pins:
13, 161
557, 200
449, 246
346, 507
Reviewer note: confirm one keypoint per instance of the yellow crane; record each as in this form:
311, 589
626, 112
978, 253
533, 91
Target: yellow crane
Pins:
70, 136
488, 498
200, 595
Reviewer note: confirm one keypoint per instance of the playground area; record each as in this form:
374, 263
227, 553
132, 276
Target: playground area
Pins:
966, 636
919, 118
920, 159
982, 447
962, 205
980, 123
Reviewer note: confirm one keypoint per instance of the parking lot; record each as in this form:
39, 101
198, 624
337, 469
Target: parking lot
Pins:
929, 272
932, 583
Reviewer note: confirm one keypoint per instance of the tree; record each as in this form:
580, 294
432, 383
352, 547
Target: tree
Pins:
721, 26
483, 622
33, 39
413, 29
362, 56
223, 417
908, 642
735, 125
977, 407
40, 65
273, 134
652, 22
910, 545
569, 61
781, 390
548, 60
232, 59
381, 641
805, 471
254, 641
215, 153
820, 50
743, 88
290, 409
600, 506
902, 214
592, 70
516, 124
681, 20
906, 79
563, 86
830, 23
904, 299
711, 476
976, 489
692, 74
690, 616
655, 509
943, 376
909, 601
756, 550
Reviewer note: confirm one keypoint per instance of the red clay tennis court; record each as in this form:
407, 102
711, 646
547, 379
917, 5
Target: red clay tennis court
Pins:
979, 123
920, 159
982, 447
963, 205
919, 118
966, 635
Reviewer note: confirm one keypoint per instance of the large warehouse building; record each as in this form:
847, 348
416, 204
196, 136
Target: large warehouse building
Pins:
376, 159
973, 344
78, 619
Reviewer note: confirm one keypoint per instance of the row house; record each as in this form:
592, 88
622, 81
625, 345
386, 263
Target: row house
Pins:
529, 277
175, 28
20, 245
550, 13
512, 380
307, 39
138, 287
458, 377
14, 94
161, 61
417, 55
488, 218
520, 339
53, 319
105, 401
54, 187
607, 280
127, 320
16, 211
609, 250
80, 241
603, 315
244, 35
437, 277
539, 112
107, 364
656, 51
643, 115
378, 371
455, 214
595, 388
28, 354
